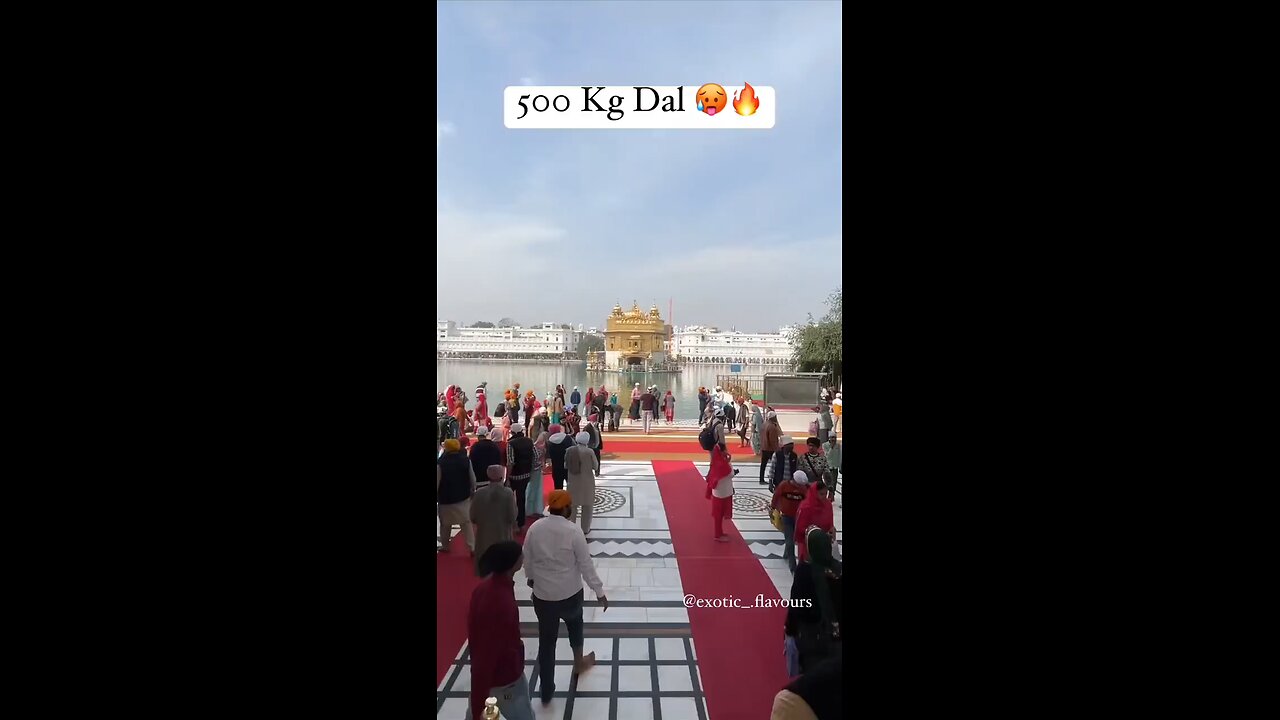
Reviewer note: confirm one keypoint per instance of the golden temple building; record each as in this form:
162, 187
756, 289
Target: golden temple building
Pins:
635, 338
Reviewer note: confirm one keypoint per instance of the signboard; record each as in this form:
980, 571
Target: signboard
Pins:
735, 368
795, 389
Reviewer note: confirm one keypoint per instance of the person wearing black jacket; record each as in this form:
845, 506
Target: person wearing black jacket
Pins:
557, 445
455, 484
600, 403
483, 453
815, 628
783, 463
519, 462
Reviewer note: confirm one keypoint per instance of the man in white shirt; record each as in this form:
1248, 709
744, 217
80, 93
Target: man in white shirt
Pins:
557, 561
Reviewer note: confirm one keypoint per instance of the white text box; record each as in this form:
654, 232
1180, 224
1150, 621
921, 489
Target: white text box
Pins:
634, 107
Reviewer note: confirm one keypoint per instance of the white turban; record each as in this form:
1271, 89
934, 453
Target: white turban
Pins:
582, 438
800, 477
495, 472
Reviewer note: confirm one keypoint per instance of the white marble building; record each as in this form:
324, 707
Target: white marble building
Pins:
546, 340
700, 344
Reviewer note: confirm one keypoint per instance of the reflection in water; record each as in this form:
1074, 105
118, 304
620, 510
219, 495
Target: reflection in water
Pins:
543, 378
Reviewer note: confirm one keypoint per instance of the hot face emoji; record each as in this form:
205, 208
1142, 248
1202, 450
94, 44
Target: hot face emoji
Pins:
711, 98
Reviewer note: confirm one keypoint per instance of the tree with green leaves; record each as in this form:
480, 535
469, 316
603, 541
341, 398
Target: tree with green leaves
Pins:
589, 343
817, 346
507, 322
481, 324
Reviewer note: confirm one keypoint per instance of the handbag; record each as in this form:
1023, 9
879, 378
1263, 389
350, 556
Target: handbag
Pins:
775, 517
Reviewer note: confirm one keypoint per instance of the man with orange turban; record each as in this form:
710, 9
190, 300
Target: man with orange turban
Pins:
557, 562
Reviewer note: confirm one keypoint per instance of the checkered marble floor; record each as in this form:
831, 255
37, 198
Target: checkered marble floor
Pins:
647, 659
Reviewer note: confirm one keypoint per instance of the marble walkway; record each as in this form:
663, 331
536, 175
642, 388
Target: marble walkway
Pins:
647, 659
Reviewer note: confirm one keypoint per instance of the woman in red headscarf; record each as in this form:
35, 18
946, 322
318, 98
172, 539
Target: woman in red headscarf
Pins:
591, 393
815, 511
448, 398
720, 490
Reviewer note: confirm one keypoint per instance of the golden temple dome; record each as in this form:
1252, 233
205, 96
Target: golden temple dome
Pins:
617, 310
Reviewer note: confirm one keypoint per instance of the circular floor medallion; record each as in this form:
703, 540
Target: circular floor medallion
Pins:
751, 502
607, 501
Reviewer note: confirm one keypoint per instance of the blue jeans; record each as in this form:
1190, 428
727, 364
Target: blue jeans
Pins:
513, 700
789, 542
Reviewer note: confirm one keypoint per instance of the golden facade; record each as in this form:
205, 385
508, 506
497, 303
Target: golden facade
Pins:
634, 337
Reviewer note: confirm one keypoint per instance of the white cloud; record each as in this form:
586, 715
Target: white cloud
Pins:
492, 264
442, 129
755, 287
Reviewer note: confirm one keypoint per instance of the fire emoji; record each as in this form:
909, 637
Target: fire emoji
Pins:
746, 102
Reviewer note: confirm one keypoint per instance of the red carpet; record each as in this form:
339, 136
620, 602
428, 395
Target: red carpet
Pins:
455, 579
739, 649
671, 446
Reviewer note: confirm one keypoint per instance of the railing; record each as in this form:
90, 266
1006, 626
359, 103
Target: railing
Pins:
739, 384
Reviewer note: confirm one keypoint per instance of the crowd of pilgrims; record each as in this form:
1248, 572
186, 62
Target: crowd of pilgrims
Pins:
492, 490
558, 407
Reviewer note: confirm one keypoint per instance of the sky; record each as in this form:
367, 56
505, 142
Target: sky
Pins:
737, 228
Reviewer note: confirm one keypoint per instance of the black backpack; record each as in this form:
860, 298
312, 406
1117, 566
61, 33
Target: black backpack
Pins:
707, 438
448, 428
